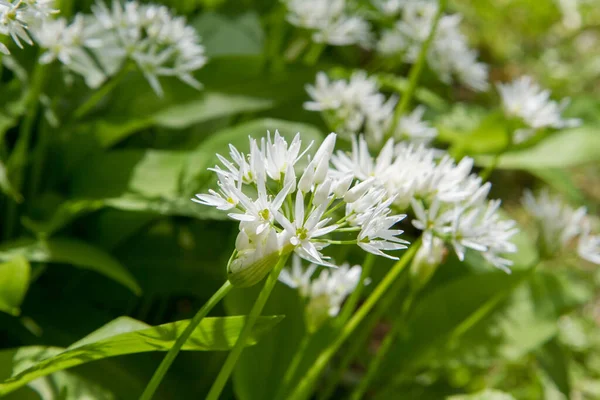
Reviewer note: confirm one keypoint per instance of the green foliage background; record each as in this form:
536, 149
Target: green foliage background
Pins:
109, 238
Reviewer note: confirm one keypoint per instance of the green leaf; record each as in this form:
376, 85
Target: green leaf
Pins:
238, 35
127, 336
560, 150
63, 385
490, 136
554, 361
488, 394
71, 251
14, 282
6, 185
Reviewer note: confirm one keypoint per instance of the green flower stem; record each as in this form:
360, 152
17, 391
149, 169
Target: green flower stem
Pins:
384, 349
352, 301
415, 71
293, 367
302, 391
359, 342
18, 158
39, 159
236, 352
313, 54
101, 93
164, 366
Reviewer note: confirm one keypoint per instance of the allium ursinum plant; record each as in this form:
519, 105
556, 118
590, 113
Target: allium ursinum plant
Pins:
562, 228
329, 21
356, 105
448, 55
280, 214
325, 294
526, 101
447, 200
18, 17
100, 45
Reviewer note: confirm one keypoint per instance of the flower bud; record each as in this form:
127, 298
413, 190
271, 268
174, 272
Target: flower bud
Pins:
354, 194
426, 261
341, 187
256, 256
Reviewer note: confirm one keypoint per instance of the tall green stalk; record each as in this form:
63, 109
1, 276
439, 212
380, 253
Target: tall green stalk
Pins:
350, 304
18, 158
359, 342
236, 352
164, 366
293, 367
302, 391
415, 71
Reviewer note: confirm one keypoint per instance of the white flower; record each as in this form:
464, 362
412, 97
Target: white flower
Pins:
561, 226
449, 54
356, 105
389, 8
525, 99
447, 200
17, 17
258, 191
413, 128
298, 278
329, 22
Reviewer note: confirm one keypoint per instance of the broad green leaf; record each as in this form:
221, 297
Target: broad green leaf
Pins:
74, 252
560, 150
223, 35
488, 394
554, 361
14, 282
449, 311
490, 136
127, 336
63, 385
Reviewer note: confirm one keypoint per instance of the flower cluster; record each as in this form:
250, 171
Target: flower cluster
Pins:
356, 105
561, 226
148, 36
18, 17
525, 100
449, 54
325, 294
447, 200
329, 22
279, 214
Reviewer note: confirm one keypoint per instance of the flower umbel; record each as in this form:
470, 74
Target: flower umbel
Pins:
562, 227
17, 17
279, 214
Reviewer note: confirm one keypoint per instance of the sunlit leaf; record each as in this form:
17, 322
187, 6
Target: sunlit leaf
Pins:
14, 282
127, 336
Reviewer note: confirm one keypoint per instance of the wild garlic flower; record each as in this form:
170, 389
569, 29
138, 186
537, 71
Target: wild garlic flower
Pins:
526, 100
389, 8
17, 17
356, 105
325, 294
279, 214
562, 227
329, 22
159, 43
449, 54
445, 198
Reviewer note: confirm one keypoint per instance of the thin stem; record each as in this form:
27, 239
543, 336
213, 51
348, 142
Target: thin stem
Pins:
37, 168
293, 368
313, 54
415, 71
18, 158
98, 95
164, 366
352, 301
384, 349
302, 391
485, 174
236, 352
